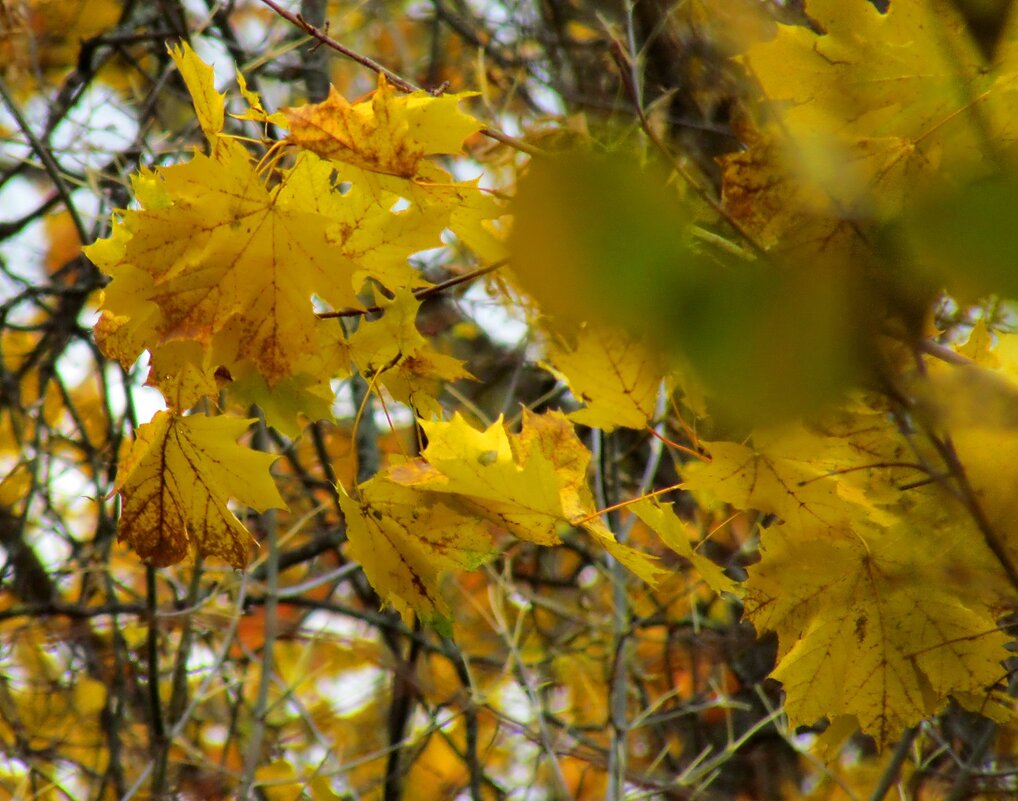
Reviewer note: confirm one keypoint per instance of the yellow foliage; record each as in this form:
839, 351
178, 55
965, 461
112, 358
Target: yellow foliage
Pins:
176, 481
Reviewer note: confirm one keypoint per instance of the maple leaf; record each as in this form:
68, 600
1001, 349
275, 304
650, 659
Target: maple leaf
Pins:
406, 539
391, 133
382, 147
226, 251
977, 407
615, 376
392, 350
869, 626
797, 475
209, 105
175, 483
532, 484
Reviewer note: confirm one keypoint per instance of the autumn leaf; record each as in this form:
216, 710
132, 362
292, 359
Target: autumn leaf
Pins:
209, 105
532, 484
874, 108
392, 352
616, 377
227, 250
661, 519
391, 133
175, 484
868, 626
406, 540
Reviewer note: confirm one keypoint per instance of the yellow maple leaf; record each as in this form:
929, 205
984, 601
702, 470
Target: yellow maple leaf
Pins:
977, 407
406, 539
614, 375
228, 251
829, 476
373, 236
532, 484
869, 626
382, 146
175, 483
392, 351
391, 133
209, 105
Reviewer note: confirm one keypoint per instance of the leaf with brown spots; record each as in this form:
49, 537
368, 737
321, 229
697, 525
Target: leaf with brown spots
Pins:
175, 483
870, 625
391, 133
533, 484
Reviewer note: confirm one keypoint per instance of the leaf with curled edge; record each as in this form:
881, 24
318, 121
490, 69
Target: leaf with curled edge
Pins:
175, 483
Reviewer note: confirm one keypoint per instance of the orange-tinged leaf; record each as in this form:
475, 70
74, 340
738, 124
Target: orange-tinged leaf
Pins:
175, 483
227, 254
391, 133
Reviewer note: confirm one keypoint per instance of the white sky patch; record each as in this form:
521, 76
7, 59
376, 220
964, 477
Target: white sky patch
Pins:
76, 363
97, 126
214, 52
393, 416
513, 701
147, 400
501, 322
22, 253
342, 406
200, 658
353, 690
331, 624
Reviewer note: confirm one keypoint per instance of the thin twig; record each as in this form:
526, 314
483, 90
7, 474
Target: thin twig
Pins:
893, 769
43, 152
269, 525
